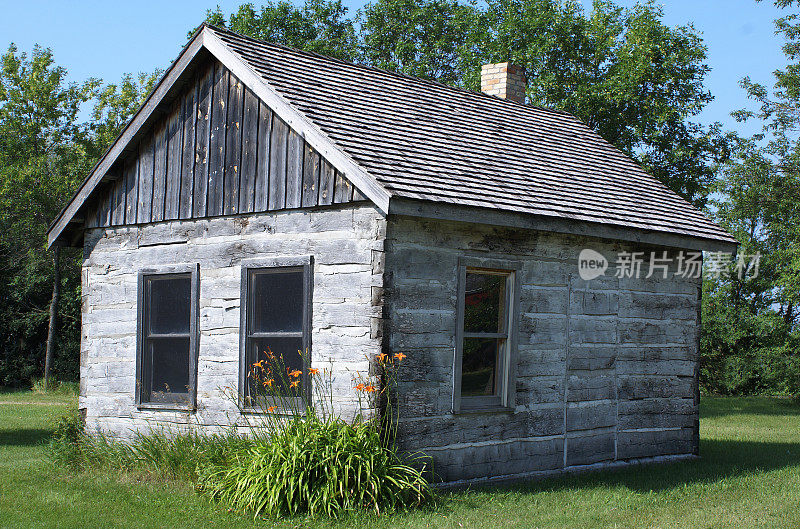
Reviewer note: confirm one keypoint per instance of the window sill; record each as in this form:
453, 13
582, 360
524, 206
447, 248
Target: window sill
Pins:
156, 406
491, 408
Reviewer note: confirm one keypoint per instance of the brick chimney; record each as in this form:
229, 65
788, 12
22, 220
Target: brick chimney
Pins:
503, 80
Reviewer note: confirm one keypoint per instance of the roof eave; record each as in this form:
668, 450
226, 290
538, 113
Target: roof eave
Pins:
496, 217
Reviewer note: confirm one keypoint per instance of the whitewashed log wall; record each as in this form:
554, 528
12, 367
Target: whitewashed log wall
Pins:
346, 243
606, 369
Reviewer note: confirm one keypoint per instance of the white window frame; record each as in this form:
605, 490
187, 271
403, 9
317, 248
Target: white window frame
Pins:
503, 399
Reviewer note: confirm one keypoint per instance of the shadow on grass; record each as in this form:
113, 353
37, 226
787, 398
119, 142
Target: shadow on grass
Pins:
715, 407
24, 437
720, 460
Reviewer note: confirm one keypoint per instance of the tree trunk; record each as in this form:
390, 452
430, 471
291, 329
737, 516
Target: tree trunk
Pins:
51, 330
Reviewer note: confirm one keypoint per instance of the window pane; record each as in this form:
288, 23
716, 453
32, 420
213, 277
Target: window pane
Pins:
286, 354
168, 368
277, 301
479, 366
170, 304
484, 302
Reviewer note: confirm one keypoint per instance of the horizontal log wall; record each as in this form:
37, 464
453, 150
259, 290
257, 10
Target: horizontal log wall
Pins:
605, 371
346, 243
218, 150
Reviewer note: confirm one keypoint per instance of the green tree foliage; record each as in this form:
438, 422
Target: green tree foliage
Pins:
45, 152
319, 26
433, 39
751, 335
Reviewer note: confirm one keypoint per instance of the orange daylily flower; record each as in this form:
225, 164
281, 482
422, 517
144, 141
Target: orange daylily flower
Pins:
294, 384
313, 371
369, 389
272, 408
400, 357
296, 373
360, 387
381, 357
268, 382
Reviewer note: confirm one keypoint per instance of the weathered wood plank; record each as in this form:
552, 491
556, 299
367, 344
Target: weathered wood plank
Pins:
261, 186
277, 165
247, 178
159, 172
174, 149
205, 96
202, 142
343, 191
131, 189
327, 183
145, 181
358, 196
233, 146
216, 158
118, 214
294, 170
188, 118
310, 178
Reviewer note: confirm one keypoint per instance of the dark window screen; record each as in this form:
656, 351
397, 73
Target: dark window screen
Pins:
167, 338
276, 315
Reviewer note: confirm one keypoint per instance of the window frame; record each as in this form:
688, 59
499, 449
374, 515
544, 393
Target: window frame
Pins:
193, 270
304, 263
503, 399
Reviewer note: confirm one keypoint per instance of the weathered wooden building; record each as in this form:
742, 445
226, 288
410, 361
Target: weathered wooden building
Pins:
267, 197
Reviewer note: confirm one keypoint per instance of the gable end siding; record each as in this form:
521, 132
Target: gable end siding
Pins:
218, 150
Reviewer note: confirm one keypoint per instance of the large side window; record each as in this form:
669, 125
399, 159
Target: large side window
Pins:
167, 342
485, 330
276, 302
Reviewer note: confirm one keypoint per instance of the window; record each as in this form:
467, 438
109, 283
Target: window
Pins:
167, 338
276, 318
485, 345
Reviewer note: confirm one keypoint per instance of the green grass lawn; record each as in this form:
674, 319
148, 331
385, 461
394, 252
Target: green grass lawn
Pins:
749, 476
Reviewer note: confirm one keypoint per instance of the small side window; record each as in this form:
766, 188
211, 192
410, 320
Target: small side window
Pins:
167, 343
483, 361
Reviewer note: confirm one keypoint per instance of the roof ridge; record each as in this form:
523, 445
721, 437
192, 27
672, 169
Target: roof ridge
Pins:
465, 91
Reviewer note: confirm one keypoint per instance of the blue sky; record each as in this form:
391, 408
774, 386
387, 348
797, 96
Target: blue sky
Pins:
109, 38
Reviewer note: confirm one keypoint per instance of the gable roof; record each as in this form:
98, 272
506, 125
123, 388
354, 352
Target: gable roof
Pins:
399, 137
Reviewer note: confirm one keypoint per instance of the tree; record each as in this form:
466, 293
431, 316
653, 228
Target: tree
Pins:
751, 335
319, 26
39, 168
45, 152
633, 79
440, 40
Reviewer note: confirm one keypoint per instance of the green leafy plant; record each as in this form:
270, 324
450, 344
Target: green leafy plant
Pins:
306, 459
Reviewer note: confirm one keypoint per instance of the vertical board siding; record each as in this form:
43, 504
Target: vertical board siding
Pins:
118, 215
174, 161
217, 150
131, 190
294, 170
202, 140
247, 183
277, 164
159, 172
326, 183
261, 188
145, 181
216, 158
188, 118
310, 178
233, 147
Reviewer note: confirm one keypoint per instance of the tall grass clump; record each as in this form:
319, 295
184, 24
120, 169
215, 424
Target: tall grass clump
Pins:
305, 459
158, 454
